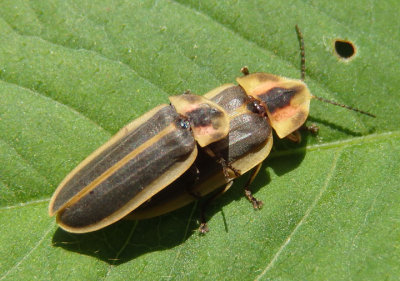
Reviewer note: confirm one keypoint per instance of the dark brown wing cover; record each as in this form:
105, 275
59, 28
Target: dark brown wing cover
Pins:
123, 169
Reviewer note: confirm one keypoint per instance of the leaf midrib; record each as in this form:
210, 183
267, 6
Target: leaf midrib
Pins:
335, 144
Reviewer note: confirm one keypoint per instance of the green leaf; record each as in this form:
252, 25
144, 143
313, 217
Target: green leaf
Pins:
73, 72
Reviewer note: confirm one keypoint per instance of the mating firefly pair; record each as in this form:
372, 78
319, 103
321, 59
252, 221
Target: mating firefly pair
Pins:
177, 153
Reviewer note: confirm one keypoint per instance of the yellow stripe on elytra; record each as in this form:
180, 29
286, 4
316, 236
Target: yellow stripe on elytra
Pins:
110, 171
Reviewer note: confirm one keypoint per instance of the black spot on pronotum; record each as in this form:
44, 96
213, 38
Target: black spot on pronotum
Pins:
344, 49
204, 116
278, 97
265, 77
191, 98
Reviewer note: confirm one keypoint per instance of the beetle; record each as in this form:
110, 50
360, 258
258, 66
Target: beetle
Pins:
260, 103
140, 160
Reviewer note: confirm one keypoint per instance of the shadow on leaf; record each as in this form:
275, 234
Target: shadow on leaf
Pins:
337, 127
126, 240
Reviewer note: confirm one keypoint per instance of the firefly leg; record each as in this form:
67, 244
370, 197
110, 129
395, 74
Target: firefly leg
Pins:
226, 166
313, 128
195, 175
256, 203
203, 224
294, 136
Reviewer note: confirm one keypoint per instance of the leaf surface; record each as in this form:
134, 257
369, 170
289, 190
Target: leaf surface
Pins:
73, 72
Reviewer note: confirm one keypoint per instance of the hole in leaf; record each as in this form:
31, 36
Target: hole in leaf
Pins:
344, 49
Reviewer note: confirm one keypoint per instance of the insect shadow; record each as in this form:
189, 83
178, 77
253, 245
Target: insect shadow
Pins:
339, 128
126, 240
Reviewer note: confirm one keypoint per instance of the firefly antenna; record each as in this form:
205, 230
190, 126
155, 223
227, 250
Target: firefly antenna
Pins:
303, 76
344, 106
302, 53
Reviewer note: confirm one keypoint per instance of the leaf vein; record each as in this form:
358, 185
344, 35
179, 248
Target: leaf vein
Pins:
178, 252
19, 205
25, 160
43, 95
335, 144
80, 48
305, 216
126, 243
28, 253
367, 214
